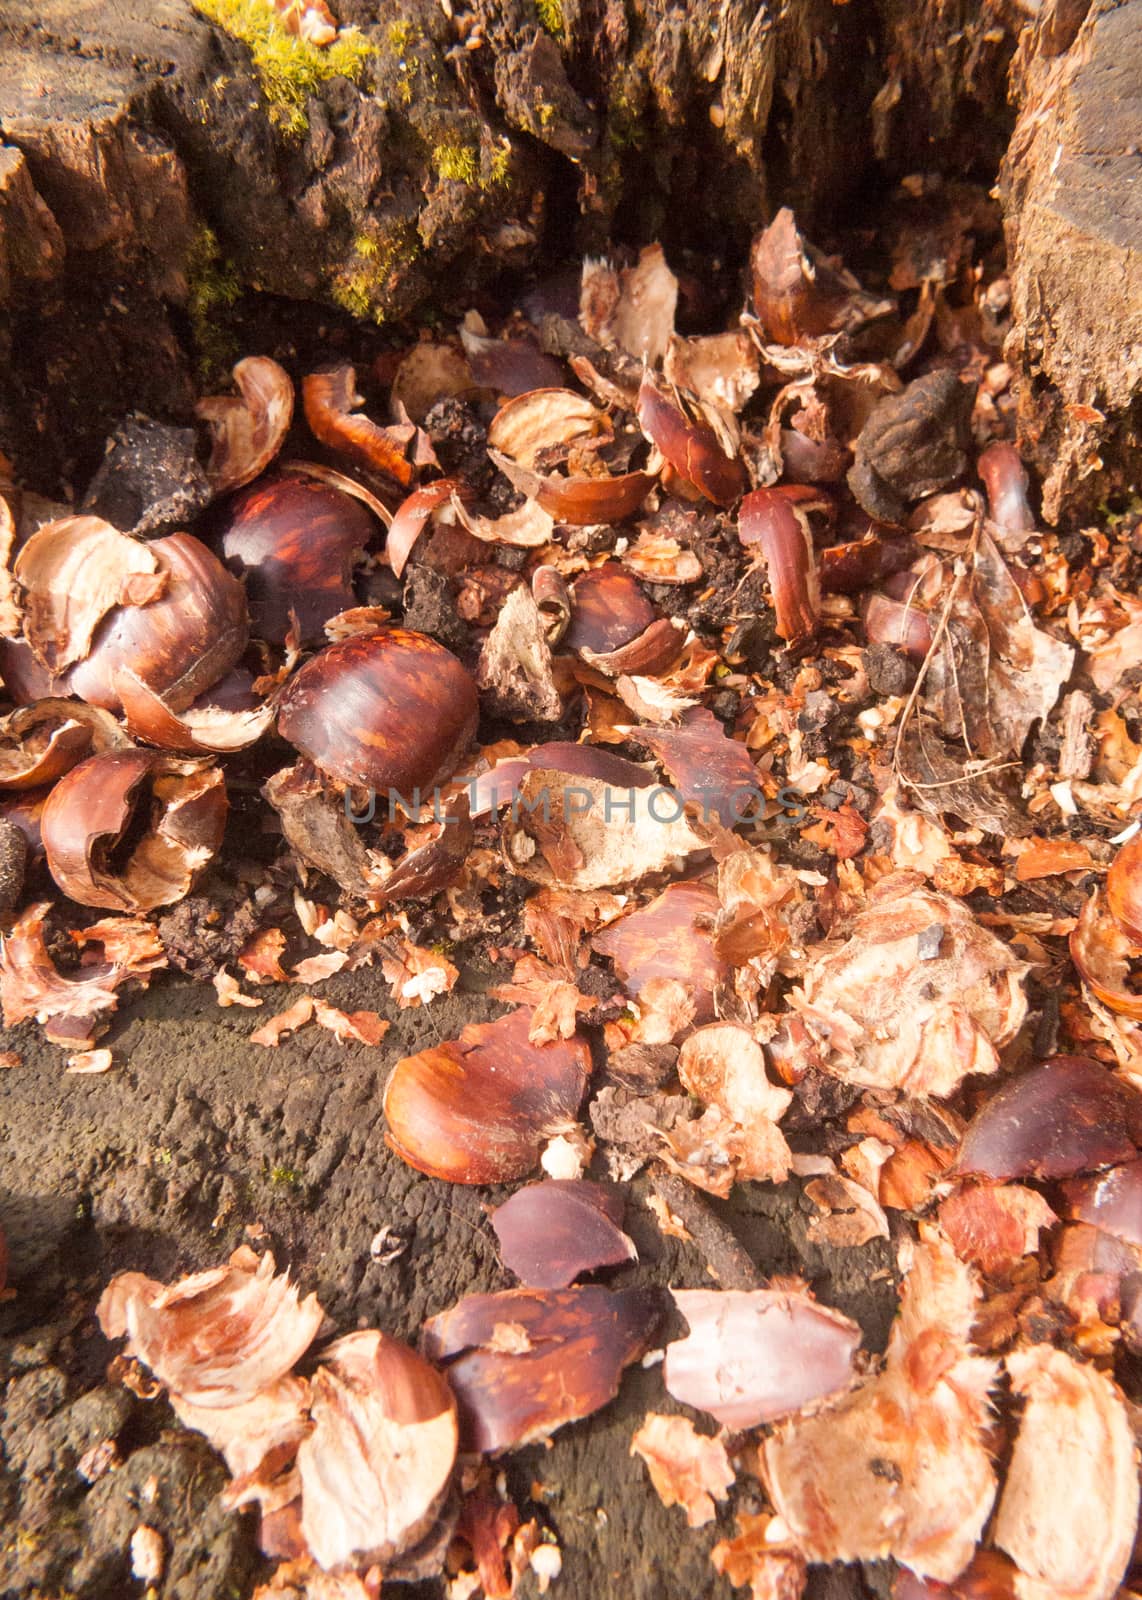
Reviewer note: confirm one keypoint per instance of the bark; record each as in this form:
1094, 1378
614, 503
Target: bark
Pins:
148, 180
1072, 196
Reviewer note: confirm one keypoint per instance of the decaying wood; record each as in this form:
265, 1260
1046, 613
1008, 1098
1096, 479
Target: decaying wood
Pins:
1072, 197
145, 180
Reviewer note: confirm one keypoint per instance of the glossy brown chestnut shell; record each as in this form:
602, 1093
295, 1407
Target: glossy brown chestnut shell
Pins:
391, 710
609, 608
130, 830
294, 540
179, 644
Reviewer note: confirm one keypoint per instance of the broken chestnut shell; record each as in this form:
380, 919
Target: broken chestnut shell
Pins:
609, 608
552, 1232
329, 398
672, 937
757, 1355
294, 541
247, 429
1111, 1201
904, 627
1005, 479
1068, 1116
479, 1109
103, 850
178, 645
780, 531
42, 741
692, 448
524, 1362
1124, 889
391, 710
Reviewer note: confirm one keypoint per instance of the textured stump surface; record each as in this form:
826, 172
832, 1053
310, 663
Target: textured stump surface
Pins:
146, 180
1072, 194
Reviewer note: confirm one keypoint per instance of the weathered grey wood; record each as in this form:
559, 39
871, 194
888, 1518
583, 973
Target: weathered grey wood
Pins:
1072, 197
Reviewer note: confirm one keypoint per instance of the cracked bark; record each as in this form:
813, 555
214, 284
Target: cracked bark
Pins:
127, 131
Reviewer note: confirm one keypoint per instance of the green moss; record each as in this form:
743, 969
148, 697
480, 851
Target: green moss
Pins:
401, 36
551, 15
353, 292
499, 168
286, 1177
458, 162
363, 291
289, 69
213, 287
626, 107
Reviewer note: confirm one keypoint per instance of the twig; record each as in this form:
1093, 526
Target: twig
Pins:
732, 1265
937, 640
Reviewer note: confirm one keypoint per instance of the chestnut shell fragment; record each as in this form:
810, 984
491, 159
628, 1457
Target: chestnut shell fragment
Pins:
552, 1232
92, 811
478, 1109
671, 937
522, 1363
180, 644
294, 540
1111, 1201
1068, 1116
609, 608
392, 710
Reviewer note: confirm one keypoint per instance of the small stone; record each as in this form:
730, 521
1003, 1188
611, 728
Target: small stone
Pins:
147, 1554
150, 480
889, 672
913, 443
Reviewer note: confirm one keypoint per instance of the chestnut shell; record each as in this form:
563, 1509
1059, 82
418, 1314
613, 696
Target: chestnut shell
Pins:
294, 540
391, 710
609, 608
179, 644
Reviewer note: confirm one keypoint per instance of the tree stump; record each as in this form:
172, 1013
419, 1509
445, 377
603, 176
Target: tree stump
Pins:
155, 166
1072, 197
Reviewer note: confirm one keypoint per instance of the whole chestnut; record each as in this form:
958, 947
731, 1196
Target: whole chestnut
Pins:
390, 710
178, 645
295, 541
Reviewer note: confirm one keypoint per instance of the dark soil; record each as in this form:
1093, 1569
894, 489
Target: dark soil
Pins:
165, 1162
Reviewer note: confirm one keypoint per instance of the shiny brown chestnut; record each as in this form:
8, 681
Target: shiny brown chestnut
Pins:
1005, 479
294, 541
178, 645
132, 829
391, 710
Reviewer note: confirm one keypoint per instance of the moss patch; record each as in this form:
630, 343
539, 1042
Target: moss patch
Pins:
289, 69
214, 286
364, 290
551, 15
459, 162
